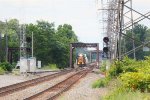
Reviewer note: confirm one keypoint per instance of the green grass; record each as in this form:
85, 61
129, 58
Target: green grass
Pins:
127, 95
117, 92
2, 71
16, 71
100, 83
50, 67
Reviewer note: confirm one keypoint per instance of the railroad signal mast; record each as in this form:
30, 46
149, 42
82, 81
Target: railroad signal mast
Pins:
27, 63
106, 47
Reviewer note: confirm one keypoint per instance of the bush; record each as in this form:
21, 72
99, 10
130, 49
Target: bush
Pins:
6, 66
135, 80
126, 65
103, 67
115, 69
2, 71
100, 83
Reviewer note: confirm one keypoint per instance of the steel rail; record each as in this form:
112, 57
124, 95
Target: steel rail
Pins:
54, 91
22, 85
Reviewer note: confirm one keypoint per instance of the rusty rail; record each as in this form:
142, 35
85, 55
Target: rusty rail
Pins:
22, 85
54, 91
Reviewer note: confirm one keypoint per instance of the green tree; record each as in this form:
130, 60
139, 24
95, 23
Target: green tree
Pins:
140, 34
64, 36
51, 45
43, 34
12, 29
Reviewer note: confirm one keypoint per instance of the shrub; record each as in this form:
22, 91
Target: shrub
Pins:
126, 65
6, 66
116, 69
135, 80
2, 71
103, 67
100, 83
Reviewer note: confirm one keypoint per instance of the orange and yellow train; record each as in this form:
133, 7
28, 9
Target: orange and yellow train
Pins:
81, 61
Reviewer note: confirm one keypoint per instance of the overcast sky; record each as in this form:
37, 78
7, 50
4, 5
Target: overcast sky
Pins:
81, 14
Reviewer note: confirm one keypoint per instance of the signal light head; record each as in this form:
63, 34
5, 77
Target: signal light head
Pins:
106, 39
105, 49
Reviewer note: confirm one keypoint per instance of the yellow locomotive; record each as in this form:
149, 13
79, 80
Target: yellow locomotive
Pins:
81, 60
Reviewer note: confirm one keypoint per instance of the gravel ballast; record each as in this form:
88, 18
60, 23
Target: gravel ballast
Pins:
9, 79
6, 80
83, 90
20, 95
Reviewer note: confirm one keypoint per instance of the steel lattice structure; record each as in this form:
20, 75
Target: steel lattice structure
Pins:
117, 17
23, 43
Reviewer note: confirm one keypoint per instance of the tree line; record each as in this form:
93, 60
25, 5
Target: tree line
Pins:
51, 45
141, 34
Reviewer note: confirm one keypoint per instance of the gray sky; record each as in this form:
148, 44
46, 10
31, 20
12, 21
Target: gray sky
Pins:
81, 14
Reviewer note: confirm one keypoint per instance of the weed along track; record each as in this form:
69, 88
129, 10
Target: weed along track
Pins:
23, 85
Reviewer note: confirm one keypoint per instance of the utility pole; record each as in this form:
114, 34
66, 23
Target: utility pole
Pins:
6, 48
0, 47
32, 44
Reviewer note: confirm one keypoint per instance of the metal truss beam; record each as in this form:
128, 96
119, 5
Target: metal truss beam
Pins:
116, 25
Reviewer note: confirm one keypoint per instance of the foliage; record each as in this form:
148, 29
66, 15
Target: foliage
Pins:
103, 67
2, 71
139, 79
51, 67
43, 33
50, 45
115, 69
100, 83
12, 30
125, 65
65, 35
6, 66
135, 80
134, 74
134, 77
141, 33
126, 94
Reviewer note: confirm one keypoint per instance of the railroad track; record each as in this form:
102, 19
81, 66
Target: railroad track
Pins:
23, 85
54, 91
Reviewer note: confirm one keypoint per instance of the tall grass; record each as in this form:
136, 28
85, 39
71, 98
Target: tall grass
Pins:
2, 71
50, 67
127, 95
100, 83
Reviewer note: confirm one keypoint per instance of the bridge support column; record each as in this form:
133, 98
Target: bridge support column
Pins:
71, 54
97, 48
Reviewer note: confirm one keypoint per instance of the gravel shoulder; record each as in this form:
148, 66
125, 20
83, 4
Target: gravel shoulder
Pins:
21, 95
83, 90
9, 79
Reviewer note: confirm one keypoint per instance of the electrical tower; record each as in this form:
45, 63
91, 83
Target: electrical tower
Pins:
23, 43
117, 17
